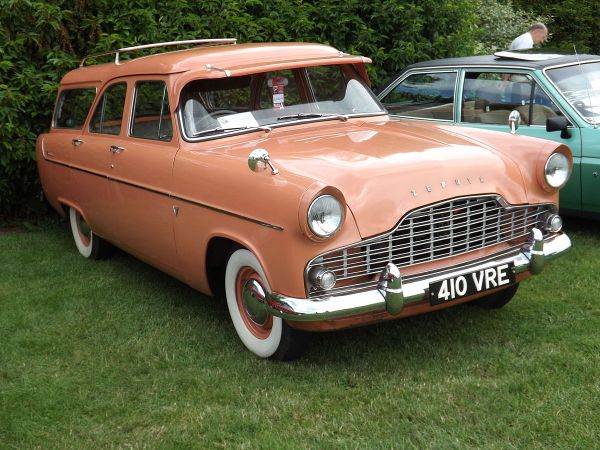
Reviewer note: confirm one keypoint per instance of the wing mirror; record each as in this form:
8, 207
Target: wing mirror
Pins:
558, 123
514, 121
259, 159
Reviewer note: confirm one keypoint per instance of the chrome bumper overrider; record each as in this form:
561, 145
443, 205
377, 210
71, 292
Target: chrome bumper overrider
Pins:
392, 294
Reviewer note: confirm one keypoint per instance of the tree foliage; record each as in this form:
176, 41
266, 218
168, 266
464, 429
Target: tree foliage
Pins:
500, 22
40, 40
575, 23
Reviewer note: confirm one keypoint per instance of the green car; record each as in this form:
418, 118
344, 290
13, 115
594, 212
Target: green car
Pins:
556, 96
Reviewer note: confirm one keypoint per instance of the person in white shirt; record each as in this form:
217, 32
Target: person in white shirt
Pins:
536, 34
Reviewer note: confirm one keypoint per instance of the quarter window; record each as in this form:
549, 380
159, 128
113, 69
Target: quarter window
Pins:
423, 95
489, 97
108, 114
73, 107
151, 115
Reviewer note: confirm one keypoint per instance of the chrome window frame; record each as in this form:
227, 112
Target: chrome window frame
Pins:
422, 71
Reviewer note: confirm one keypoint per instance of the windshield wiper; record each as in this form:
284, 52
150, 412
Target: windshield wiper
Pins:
342, 117
216, 129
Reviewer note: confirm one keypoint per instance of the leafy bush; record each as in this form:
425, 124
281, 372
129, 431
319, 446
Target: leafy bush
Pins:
500, 23
576, 23
41, 40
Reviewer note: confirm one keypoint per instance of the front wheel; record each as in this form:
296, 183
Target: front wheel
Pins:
498, 299
89, 244
263, 334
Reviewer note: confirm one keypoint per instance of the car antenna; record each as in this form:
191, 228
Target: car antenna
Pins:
587, 87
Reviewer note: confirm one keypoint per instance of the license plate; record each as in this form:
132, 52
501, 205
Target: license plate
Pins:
471, 283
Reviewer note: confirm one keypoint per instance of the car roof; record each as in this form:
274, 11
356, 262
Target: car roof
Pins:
217, 61
518, 59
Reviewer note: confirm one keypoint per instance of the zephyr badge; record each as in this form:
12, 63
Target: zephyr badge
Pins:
444, 184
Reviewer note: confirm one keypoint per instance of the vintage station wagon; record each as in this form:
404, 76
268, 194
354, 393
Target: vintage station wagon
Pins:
270, 174
557, 97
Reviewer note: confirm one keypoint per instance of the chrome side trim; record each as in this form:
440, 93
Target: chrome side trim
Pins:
530, 258
167, 194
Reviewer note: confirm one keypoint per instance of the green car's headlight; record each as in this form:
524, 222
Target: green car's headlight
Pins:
325, 216
556, 170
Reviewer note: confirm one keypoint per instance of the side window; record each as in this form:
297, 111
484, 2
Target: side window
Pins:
151, 117
72, 107
540, 109
109, 110
426, 95
489, 97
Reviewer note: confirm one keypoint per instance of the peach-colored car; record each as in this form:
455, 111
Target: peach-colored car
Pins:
271, 174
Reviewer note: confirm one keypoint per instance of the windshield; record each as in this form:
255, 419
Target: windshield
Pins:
580, 85
218, 106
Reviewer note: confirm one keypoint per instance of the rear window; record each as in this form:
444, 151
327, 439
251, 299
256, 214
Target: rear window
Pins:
151, 113
73, 107
108, 115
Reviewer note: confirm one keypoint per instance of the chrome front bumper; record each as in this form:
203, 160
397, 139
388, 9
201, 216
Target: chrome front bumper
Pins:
392, 294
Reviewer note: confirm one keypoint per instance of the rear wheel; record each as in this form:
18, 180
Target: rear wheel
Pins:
89, 244
263, 334
498, 299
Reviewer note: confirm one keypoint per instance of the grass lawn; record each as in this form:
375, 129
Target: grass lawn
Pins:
115, 354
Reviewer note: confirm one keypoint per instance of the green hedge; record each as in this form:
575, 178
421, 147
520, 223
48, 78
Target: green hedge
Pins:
41, 40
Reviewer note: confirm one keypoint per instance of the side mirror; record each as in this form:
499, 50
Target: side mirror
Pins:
259, 160
514, 121
558, 123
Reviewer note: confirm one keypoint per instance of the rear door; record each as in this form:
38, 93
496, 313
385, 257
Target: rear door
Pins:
141, 161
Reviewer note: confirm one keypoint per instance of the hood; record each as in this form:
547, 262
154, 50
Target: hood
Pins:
386, 168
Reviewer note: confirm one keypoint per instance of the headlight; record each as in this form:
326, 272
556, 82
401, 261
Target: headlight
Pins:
325, 216
556, 170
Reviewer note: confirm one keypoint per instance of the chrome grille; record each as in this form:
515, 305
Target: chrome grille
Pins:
438, 231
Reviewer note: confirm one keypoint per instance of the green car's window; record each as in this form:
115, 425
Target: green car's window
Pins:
109, 110
73, 107
489, 97
151, 117
424, 95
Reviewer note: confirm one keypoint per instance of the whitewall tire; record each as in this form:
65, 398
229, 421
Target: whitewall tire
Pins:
88, 243
266, 336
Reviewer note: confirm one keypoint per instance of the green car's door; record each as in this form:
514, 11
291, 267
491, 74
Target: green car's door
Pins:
486, 98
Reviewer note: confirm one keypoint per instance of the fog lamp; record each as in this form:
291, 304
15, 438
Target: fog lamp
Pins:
321, 278
553, 223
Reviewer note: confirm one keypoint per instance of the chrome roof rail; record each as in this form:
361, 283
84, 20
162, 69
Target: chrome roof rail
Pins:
160, 44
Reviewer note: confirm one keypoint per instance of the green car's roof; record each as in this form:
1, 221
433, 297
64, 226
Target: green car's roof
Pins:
520, 59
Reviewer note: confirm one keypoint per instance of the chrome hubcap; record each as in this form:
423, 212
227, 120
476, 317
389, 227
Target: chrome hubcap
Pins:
254, 301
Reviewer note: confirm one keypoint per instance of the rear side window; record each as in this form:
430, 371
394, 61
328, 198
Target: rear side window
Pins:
73, 107
423, 95
151, 116
109, 110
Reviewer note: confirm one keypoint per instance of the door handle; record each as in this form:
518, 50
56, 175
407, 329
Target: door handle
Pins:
116, 148
76, 142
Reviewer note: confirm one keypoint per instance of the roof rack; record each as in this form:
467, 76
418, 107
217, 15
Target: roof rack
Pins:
160, 44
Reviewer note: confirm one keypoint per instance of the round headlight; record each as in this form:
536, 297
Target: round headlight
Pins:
325, 215
556, 170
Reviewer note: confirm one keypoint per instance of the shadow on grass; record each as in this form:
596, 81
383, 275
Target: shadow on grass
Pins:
425, 338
